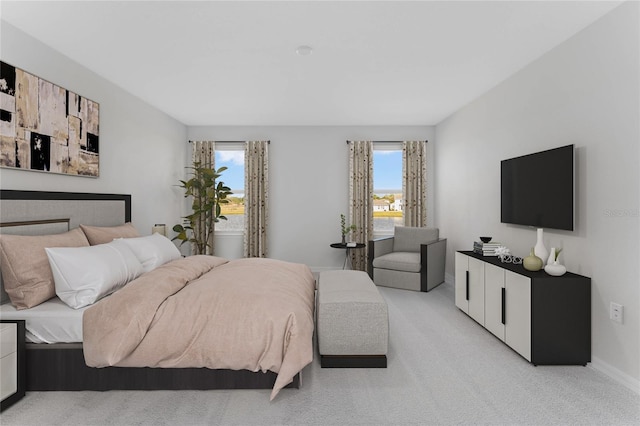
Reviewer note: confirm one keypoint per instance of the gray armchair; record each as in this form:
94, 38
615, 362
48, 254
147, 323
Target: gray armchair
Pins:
413, 259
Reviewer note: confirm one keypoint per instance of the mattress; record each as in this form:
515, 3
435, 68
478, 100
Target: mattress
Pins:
50, 322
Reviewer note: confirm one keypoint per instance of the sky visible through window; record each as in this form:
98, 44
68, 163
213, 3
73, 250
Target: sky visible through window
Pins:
233, 177
387, 170
387, 184
387, 180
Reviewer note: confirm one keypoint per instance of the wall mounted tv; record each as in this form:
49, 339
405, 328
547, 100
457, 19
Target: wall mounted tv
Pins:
538, 189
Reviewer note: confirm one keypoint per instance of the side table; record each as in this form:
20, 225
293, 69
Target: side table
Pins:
347, 257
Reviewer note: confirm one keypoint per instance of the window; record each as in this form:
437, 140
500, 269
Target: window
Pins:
387, 187
231, 156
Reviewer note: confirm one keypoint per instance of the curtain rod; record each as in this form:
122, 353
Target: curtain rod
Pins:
382, 141
269, 142
387, 141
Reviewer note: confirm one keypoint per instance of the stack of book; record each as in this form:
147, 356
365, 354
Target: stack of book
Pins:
486, 249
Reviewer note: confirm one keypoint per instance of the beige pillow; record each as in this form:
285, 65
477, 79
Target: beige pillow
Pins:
25, 266
105, 234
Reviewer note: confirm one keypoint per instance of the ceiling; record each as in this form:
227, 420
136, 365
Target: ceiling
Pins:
373, 62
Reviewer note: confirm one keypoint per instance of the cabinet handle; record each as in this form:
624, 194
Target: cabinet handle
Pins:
467, 284
504, 305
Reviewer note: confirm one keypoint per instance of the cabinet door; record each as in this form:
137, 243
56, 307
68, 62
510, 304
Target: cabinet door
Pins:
9, 377
518, 313
462, 267
493, 299
8, 360
476, 290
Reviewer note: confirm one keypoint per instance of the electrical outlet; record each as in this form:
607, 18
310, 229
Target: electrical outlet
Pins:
615, 312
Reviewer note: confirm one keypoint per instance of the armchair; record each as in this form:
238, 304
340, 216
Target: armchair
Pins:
413, 259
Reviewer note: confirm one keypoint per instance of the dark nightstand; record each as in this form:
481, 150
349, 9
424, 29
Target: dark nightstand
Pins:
12, 361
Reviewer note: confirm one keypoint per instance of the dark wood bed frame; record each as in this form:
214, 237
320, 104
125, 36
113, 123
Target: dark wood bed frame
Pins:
57, 367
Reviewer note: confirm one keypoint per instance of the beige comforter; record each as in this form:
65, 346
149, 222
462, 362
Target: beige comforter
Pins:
205, 311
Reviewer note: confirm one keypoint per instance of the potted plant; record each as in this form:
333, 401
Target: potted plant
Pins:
345, 229
208, 196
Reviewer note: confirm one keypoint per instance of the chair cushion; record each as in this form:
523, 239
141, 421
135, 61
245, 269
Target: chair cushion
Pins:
398, 261
409, 238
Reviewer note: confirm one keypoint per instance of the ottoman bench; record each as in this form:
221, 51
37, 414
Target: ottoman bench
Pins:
352, 321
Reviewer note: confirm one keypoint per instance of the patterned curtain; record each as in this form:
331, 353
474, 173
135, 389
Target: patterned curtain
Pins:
256, 181
414, 182
361, 198
204, 152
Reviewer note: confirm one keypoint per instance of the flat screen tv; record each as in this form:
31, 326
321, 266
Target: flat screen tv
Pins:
538, 189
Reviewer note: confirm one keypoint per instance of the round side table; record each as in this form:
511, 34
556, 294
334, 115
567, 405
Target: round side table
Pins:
347, 257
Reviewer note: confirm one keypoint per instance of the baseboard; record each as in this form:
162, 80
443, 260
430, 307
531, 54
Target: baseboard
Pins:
449, 278
596, 363
617, 375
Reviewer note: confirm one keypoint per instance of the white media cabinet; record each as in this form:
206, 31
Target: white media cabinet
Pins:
545, 319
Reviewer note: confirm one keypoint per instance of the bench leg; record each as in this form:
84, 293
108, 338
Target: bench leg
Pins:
353, 361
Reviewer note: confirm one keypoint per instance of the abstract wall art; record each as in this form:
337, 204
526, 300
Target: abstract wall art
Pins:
47, 128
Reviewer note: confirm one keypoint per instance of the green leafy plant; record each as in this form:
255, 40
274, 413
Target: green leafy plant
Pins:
557, 254
208, 195
346, 229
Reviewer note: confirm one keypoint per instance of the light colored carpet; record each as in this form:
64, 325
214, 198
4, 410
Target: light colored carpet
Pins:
443, 369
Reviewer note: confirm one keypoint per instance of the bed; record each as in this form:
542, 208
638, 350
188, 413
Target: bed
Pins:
63, 365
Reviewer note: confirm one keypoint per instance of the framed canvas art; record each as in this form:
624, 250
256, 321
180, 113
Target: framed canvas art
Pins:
46, 128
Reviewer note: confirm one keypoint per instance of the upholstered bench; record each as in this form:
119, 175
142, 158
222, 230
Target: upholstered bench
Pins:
352, 321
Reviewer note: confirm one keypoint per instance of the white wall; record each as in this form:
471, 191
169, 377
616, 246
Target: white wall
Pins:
308, 178
141, 149
584, 92
143, 152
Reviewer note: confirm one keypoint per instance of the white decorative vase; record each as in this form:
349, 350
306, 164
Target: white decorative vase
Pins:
552, 256
540, 250
555, 269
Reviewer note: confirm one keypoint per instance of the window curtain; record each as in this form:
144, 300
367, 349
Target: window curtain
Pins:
204, 153
414, 182
256, 178
360, 198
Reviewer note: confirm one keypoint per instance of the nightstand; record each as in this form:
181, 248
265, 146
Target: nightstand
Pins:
12, 362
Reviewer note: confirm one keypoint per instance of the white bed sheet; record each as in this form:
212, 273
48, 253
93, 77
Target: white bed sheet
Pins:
50, 322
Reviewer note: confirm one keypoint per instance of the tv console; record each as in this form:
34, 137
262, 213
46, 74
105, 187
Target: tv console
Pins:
545, 319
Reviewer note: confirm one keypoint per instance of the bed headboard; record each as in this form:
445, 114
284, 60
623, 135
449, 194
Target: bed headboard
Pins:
43, 212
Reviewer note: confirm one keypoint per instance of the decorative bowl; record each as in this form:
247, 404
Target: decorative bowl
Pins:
485, 239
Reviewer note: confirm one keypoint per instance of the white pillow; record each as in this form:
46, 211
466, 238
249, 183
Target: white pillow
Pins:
84, 275
153, 250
